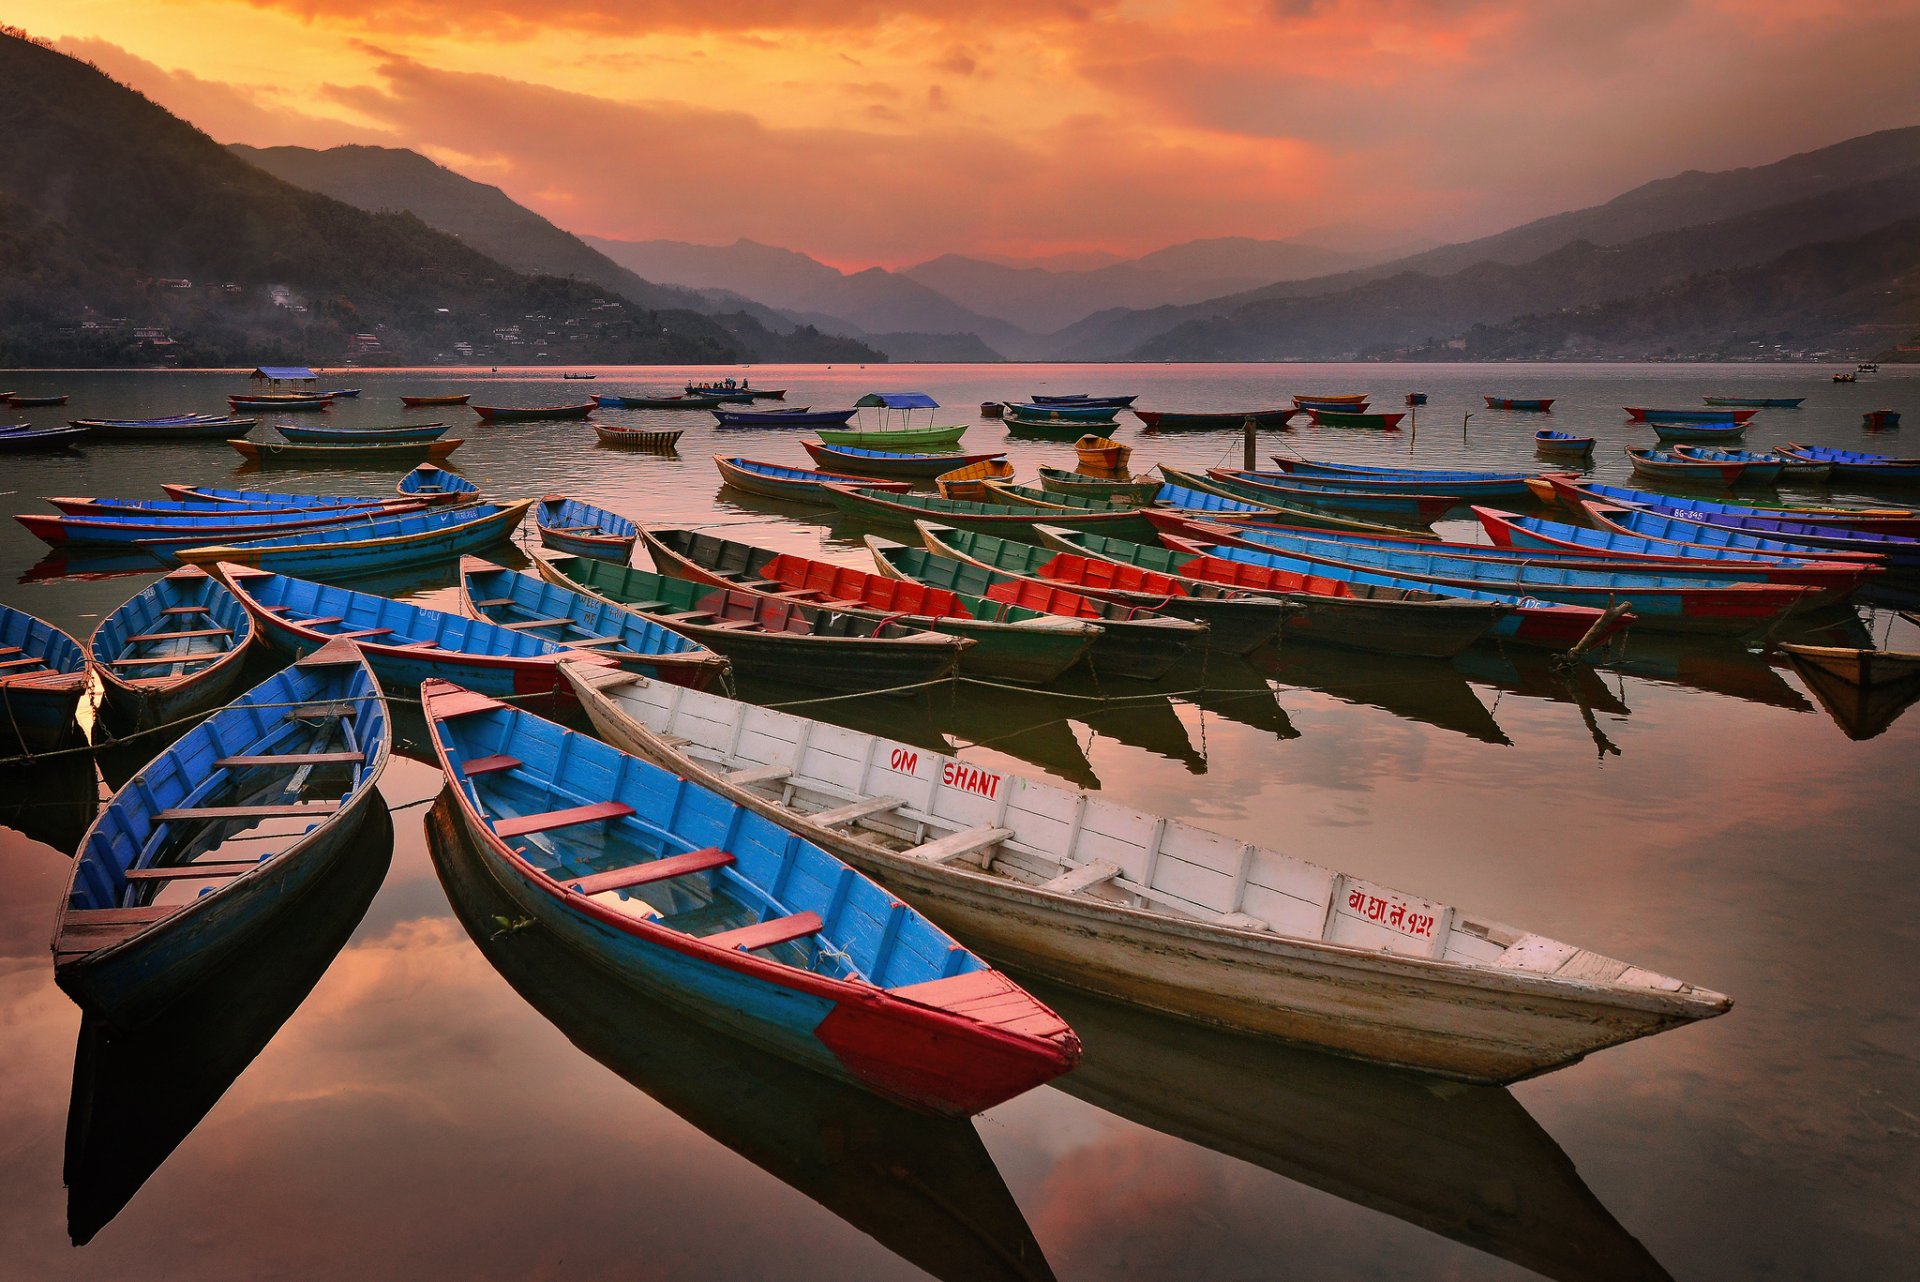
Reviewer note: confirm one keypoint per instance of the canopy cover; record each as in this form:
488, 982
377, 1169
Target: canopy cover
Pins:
285, 373
897, 401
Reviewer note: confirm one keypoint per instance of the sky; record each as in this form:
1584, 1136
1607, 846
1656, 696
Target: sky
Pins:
885, 133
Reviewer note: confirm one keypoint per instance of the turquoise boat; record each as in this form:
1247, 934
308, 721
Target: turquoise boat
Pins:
43, 673
175, 649
372, 547
290, 768
1065, 413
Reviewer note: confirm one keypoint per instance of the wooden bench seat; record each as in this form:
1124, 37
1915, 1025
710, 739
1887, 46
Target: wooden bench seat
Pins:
857, 810
491, 765
23, 663
766, 934
164, 660
756, 774
655, 870
535, 623
521, 825
180, 636
290, 759
87, 930
320, 622
733, 625
364, 632
959, 844
184, 872
283, 810
186, 609
492, 602
1085, 877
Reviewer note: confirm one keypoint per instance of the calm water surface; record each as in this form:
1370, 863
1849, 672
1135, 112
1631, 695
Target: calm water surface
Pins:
399, 1091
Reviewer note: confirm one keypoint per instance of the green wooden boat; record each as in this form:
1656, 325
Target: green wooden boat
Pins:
1014, 521
1068, 430
904, 438
1015, 643
1058, 480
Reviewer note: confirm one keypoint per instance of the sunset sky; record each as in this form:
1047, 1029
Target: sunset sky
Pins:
886, 133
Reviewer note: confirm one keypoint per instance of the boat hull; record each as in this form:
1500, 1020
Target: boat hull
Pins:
373, 556
1211, 420
793, 488
911, 438
294, 454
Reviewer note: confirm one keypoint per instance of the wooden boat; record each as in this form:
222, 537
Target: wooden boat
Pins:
1459, 480
1885, 520
635, 869
173, 650
1351, 418
867, 462
967, 482
581, 529
1847, 377
282, 404
1529, 404
1563, 443
796, 417
1012, 495
1460, 489
19, 438
1057, 480
1863, 668
1385, 500
1755, 402
159, 898
1145, 908
1671, 432
1103, 452
299, 454
767, 393
1664, 465
1524, 619
372, 547
1015, 520
264, 501
1640, 414
797, 484
43, 673
1879, 420
341, 393
1237, 622
1041, 429
1081, 398
436, 485
580, 377
1853, 465
450, 398
1715, 606
992, 409
29, 402
1337, 399
779, 640
1386, 620
1667, 526
637, 437
1131, 642
1064, 412
1012, 642
1861, 711
657, 402
403, 643
1773, 467
525, 413
531, 606
727, 391
1530, 535
167, 530
1212, 420
909, 439
362, 435
1192, 493
197, 427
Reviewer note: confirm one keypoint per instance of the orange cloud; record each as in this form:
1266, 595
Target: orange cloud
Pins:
627, 16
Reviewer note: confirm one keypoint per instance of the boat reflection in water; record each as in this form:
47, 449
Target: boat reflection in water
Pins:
1861, 712
1707, 666
924, 1187
137, 1095
52, 800
1429, 691
1466, 1162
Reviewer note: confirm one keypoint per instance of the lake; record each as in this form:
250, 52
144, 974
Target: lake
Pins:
402, 1088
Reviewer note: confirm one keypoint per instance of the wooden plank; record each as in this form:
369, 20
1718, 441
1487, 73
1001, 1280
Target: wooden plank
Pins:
364, 632
186, 609
175, 636
283, 811
652, 871
23, 663
1085, 877
144, 914
490, 765
208, 868
757, 774
337, 708
493, 602
314, 623
524, 624
766, 934
291, 759
590, 643
161, 661
959, 844
462, 702
521, 825
857, 810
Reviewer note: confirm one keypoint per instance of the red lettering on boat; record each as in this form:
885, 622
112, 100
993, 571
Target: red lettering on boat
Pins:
971, 779
1391, 913
903, 761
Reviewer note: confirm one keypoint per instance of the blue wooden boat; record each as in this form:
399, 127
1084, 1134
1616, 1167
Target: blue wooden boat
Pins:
1790, 469
797, 417
341, 393
1190, 493
191, 427
1082, 398
164, 530
798, 484
74, 505
267, 499
172, 650
1691, 431
1901, 521
1460, 488
436, 485
1790, 538
372, 547
865, 462
1853, 465
531, 606
1073, 412
658, 402
1675, 467
1563, 443
1299, 468
43, 673
581, 529
405, 644
364, 435
1420, 505
19, 438
728, 916
1755, 402
159, 897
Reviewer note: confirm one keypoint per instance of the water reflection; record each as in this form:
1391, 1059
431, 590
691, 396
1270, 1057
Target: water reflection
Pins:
1861, 712
52, 800
1707, 667
137, 1095
58, 566
1466, 1162
1429, 691
923, 1187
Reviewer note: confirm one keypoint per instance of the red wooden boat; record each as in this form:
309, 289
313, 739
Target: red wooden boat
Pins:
1641, 414
454, 399
519, 413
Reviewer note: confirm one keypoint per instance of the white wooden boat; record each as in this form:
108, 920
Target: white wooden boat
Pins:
1100, 896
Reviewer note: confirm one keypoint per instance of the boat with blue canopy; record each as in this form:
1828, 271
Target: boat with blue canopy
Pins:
372, 547
734, 919
172, 650
43, 673
581, 529
529, 605
161, 895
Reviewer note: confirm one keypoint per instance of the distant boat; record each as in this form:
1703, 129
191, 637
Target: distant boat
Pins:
1756, 402
1691, 431
1563, 443
658, 402
1641, 414
280, 402
1070, 412
1337, 400
798, 417
1535, 405
522, 413
580, 376
1081, 398
451, 398
342, 393
362, 435
191, 427
795, 484
1853, 465
21, 437
1664, 465
637, 438
1844, 378
436, 485
1350, 418
1862, 668
969, 482
331, 452
1210, 420
22, 402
